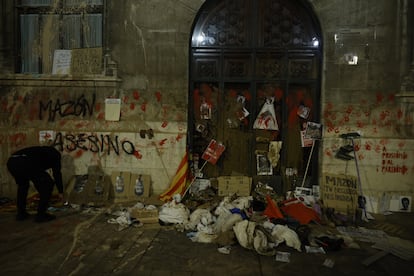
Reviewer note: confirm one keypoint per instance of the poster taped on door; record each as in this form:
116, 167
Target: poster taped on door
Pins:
266, 118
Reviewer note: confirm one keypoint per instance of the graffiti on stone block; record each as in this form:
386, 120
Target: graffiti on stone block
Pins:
393, 162
79, 107
96, 143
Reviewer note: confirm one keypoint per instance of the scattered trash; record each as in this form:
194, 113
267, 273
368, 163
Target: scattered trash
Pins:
283, 256
312, 249
329, 263
224, 250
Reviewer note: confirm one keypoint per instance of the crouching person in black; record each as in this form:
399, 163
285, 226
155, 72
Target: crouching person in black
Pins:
31, 164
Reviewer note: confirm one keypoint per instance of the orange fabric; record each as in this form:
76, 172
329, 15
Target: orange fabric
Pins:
300, 212
272, 211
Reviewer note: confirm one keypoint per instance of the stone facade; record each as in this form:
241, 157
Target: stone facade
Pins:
147, 43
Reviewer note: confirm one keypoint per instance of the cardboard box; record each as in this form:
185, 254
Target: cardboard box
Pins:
144, 215
98, 189
130, 187
120, 185
229, 185
76, 191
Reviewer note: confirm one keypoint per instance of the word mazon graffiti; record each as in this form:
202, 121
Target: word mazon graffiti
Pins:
93, 142
78, 107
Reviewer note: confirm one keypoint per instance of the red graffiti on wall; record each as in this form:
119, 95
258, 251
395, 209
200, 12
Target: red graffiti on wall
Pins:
17, 139
380, 98
136, 95
162, 142
391, 162
137, 154
164, 124
158, 96
78, 154
132, 106
179, 137
125, 99
144, 107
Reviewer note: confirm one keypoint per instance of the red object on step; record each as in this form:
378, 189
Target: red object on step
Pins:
297, 210
272, 211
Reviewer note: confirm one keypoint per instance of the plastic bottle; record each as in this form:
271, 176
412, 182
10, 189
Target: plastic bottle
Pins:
139, 186
119, 184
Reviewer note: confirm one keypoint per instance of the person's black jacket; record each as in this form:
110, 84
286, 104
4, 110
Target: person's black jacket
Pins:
43, 158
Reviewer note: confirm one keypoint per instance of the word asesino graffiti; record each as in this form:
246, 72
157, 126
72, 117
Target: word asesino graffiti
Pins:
93, 142
78, 107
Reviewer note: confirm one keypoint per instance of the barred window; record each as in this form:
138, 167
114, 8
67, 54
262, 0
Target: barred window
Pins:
49, 25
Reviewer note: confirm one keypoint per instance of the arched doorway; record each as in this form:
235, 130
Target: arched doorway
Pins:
245, 55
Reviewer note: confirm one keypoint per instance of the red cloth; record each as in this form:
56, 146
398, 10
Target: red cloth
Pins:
300, 212
272, 211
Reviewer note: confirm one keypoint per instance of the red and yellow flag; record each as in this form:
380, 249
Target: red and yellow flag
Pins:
179, 182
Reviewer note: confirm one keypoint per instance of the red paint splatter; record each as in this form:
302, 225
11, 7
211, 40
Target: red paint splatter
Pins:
391, 98
144, 107
328, 153
98, 107
360, 124
135, 95
158, 96
368, 146
164, 124
346, 118
384, 115
125, 99
278, 94
132, 106
233, 93
33, 114
164, 111
78, 153
349, 109
17, 139
329, 106
383, 142
137, 154
401, 144
247, 95
380, 98
162, 142
179, 137
101, 115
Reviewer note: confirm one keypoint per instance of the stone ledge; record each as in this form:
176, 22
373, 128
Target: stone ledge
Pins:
59, 80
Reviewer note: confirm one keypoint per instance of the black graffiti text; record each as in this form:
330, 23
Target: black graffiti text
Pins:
78, 107
93, 142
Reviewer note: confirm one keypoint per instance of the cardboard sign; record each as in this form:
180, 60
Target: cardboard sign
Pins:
130, 187
340, 192
213, 151
120, 184
139, 187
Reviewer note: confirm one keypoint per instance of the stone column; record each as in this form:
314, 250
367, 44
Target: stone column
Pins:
406, 95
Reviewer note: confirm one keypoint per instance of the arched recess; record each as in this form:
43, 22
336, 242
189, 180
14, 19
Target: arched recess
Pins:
244, 53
